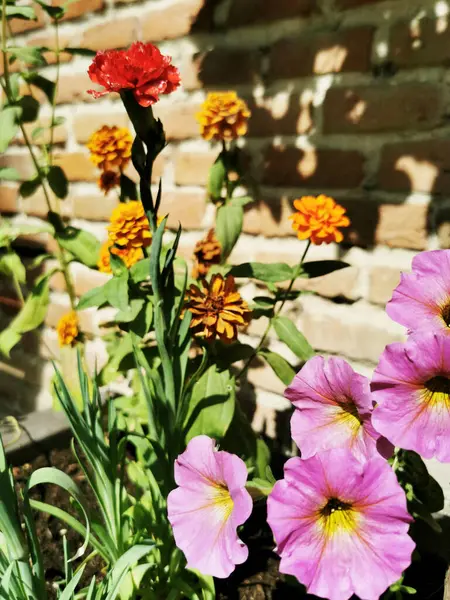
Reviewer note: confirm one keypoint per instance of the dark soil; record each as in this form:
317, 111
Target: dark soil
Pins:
257, 579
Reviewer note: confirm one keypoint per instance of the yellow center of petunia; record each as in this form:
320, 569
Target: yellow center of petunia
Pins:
337, 516
445, 314
437, 392
222, 501
349, 415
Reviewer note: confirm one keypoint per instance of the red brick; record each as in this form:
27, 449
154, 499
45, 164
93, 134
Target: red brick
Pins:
421, 44
219, 65
113, 34
36, 205
21, 162
281, 115
73, 88
185, 207
19, 26
313, 168
416, 167
394, 225
269, 217
80, 7
247, 12
178, 119
382, 281
94, 208
382, 108
192, 168
326, 52
172, 21
85, 124
77, 166
345, 4
8, 198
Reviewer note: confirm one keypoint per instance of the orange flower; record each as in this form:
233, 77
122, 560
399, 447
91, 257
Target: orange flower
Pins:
108, 180
129, 226
130, 256
207, 252
217, 309
67, 329
318, 219
110, 148
223, 116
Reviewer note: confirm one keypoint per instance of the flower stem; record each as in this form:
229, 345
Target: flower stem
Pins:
297, 272
58, 65
7, 88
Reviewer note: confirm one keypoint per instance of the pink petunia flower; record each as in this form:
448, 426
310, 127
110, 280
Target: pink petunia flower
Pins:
333, 410
341, 526
207, 507
421, 301
411, 386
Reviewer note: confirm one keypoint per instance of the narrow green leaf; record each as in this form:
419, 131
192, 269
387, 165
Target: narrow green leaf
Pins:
28, 54
82, 244
28, 188
11, 265
216, 179
271, 273
80, 51
319, 268
58, 182
131, 311
9, 174
20, 12
288, 333
229, 222
9, 125
279, 365
94, 297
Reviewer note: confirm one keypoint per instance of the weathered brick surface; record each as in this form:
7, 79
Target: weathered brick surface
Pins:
85, 124
73, 88
313, 168
179, 119
77, 166
381, 108
21, 162
220, 67
19, 26
192, 168
115, 34
8, 198
80, 8
416, 166
48, 40
171, 21
321, 53
382, 281
419, 44
284, 114
247, 12
184, 207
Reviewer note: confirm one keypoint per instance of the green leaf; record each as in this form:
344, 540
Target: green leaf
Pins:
44, 84
131, 311
58, 182
128, 188
279, 365
216, 179
30, 317
288, 333
116, 292
9, 125
231, 353
11, 265
30, 108
272, 272
211, 407
20, 12
82, 244
118, 267
420, 510
9, 174
319, 268
28, 188
94, 297
28, 54
229, 222
80, 51
140, 271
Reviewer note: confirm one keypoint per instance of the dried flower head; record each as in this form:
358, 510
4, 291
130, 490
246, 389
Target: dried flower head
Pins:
67, 329
223, 116
217, 309
318, 219
129, 226
110, 148
207, 252
129, 255
142, 68
108, 180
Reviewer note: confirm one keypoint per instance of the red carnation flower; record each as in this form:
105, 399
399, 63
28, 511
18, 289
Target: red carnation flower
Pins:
142, 68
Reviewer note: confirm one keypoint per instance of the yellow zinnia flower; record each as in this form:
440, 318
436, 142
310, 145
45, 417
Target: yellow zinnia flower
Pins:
207, 252
223, 116
129, 226
129, 255
110, 148
318, 219
67, 329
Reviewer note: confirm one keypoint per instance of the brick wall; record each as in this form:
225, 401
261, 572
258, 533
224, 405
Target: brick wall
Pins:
349, 98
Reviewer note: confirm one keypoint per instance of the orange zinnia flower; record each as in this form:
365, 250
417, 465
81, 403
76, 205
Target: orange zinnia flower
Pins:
318, 219
130, 256
110, 147
67, 329
223, 116
207, 252
129, 226
217, 309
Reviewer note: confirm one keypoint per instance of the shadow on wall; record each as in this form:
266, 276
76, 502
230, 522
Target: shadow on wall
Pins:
380, 146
